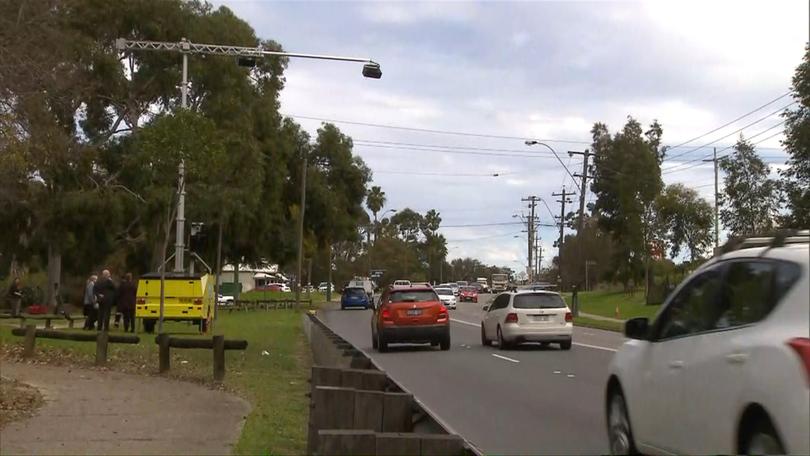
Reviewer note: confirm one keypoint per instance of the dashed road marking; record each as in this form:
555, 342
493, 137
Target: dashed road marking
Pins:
505, 358
598, 347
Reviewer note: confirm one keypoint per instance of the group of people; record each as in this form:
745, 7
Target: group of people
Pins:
100, 295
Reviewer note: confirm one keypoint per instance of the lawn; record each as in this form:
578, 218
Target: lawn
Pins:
604, 303
256, 295
599, 324
275, 383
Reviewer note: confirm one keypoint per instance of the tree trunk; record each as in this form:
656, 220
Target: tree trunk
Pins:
329, 273
54, 274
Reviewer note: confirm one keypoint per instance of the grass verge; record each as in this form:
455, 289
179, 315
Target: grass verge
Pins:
274, 383
604, 303
256, 295
599, 324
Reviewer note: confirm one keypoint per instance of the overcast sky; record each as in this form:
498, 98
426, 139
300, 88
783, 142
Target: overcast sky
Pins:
545, 70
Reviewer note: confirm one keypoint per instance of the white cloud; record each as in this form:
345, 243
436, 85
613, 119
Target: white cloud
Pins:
391, 12
520, 39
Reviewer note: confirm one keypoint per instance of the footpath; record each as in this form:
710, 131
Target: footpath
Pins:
94, 412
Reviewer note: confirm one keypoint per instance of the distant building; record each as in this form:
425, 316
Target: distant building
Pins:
250, 277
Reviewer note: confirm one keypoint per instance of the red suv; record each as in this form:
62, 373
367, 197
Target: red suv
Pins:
410, 315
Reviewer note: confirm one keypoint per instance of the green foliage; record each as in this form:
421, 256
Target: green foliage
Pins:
687, 220
627, 179
796, 177
751, 201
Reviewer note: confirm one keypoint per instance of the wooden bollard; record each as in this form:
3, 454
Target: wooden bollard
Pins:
102, 341
30, 339
164, 354
219, 358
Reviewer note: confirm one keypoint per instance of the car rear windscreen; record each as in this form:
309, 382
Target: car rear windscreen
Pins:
413, 296
444, 291
538, 301
355, 292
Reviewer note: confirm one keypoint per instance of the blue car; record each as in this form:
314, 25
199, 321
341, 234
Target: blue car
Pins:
354, 297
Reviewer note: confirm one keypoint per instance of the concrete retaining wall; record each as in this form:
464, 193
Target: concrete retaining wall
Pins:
356, 409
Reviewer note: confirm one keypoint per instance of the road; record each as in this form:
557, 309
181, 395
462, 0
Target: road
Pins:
528, 400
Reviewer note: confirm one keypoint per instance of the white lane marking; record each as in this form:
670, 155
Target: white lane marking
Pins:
570, 375
464, 322
504, 357
598, 347
557, 372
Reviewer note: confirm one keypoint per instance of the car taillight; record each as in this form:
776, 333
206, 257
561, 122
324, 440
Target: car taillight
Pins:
385, 314
442, 315
198, 301
511, 318
568, 317
141, 300
801, 345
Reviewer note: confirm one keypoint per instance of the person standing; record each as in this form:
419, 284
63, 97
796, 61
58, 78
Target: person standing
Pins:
126, 302
15, 296
105, 294
90, 304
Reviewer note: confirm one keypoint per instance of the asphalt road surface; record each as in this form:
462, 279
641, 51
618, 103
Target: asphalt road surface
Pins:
528, 400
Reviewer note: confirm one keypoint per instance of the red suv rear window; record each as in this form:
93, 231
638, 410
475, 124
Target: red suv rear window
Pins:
413, 296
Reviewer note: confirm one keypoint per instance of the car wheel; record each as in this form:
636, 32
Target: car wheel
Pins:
502, 344
382, 344
620, 436
763, 440
566, 345
445, 343
484, 341
374, 341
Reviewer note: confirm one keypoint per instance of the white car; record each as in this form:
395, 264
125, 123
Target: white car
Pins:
538, 316
285, 288
225, 300
724, 368
323, 285
447, 297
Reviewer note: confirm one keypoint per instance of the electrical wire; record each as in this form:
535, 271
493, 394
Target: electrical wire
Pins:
481, 224
458, 152
441, 146
732, 133
732, 121
428, 130
418, 173
719, 158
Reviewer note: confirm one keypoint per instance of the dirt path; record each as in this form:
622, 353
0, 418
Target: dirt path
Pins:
104, 412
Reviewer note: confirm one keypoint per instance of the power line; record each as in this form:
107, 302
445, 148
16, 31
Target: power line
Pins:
481, 224
733, 121
732, 133
428, 130
458, 152
484, 237
700, 163
418, 173
441, 146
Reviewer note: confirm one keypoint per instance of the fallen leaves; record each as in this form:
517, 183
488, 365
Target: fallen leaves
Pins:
17, 401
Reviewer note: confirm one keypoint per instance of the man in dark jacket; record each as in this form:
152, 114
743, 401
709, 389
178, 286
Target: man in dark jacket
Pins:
105, 294
126, 302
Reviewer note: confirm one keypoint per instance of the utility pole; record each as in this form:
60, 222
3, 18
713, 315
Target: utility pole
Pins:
531, 228
301, 230
583, 178
716, 201
538, 254
563, 200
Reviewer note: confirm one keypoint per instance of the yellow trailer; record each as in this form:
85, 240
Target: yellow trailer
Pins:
187, 297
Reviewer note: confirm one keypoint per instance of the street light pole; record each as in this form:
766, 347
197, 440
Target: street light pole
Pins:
371, 69
301, 232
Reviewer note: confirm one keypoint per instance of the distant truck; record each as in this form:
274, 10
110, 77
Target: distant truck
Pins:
362, 282
500, 282
484, 284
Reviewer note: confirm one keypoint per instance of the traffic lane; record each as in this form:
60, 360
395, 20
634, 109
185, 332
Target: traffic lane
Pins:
524, 401
470, 312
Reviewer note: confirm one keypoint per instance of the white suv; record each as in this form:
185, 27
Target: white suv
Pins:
725, 366
538, 316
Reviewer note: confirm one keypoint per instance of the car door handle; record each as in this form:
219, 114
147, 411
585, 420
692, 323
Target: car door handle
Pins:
737, 358
676, 364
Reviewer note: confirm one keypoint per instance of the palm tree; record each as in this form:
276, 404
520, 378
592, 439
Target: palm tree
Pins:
375, 200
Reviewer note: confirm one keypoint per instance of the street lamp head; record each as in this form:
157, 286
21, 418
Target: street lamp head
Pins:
531, 142
372, 70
